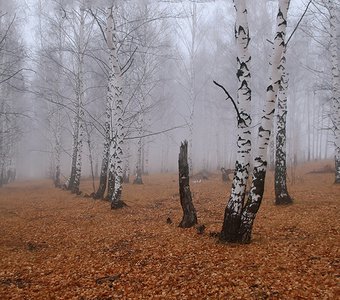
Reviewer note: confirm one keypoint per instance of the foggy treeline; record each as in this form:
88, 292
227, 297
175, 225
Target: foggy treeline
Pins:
55, 65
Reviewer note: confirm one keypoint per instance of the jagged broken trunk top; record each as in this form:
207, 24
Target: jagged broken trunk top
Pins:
189, 213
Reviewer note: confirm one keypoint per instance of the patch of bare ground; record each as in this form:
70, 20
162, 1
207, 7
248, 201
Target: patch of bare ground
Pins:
55, 245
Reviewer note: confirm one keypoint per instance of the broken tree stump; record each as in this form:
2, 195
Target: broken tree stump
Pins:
226, 173
189, 213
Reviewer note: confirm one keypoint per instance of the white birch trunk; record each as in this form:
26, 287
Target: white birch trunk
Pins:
234, 207
115, 98
139, 167
335, 114
192, 81
80, 100
126, 173
58, 125
73, 181
58, 148
106, 151
281, 192
260, 162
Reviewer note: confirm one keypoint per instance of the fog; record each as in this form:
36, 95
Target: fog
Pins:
170, 53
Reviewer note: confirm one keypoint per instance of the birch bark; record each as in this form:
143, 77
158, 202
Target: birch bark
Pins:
192, 82
260, 162
232, 215
106, 151
281, 192
115, 99
78, 128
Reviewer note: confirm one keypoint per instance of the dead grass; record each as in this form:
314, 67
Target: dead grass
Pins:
54, 245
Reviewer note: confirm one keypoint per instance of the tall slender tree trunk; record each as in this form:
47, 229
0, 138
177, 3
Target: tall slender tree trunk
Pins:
58, 119
335, 115
74, 180
57, 150
126, 173
80, 101
89, 145
260, 162
70, 181
233, 211
139, 167
192, 82
106, 152
281, 192
110, 186
307, 107
2, 142
115, 98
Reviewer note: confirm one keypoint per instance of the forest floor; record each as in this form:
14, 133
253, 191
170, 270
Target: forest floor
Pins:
55, 245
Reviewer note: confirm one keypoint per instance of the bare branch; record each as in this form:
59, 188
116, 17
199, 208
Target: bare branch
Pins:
239, 118
155, 133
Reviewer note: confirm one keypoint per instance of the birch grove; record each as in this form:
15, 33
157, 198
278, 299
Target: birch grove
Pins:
132, 79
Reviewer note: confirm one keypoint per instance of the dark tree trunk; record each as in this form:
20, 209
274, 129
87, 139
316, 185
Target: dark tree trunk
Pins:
337, 169
126, 177
110, 186
225, 174
138, 179
189, 213
1, 177
253, 204
5, 177
233, 211
70, 184
281, 192
282, 196
57, 183
103, 178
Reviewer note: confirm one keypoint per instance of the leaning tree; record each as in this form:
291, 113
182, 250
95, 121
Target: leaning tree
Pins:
233, 211
239, 216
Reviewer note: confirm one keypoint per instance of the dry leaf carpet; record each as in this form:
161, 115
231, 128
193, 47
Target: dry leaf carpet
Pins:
55, 245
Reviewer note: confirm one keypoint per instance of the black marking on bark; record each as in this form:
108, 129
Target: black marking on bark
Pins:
270, 88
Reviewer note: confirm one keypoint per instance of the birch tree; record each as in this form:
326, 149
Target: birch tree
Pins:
281, 192
50, 63
106, 151
260, 161
232, 214
78, 127
115, 102
240, 216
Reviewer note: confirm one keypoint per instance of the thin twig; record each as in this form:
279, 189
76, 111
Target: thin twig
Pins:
298, 23
154, 133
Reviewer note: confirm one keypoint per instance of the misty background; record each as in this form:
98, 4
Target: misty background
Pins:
172, 51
